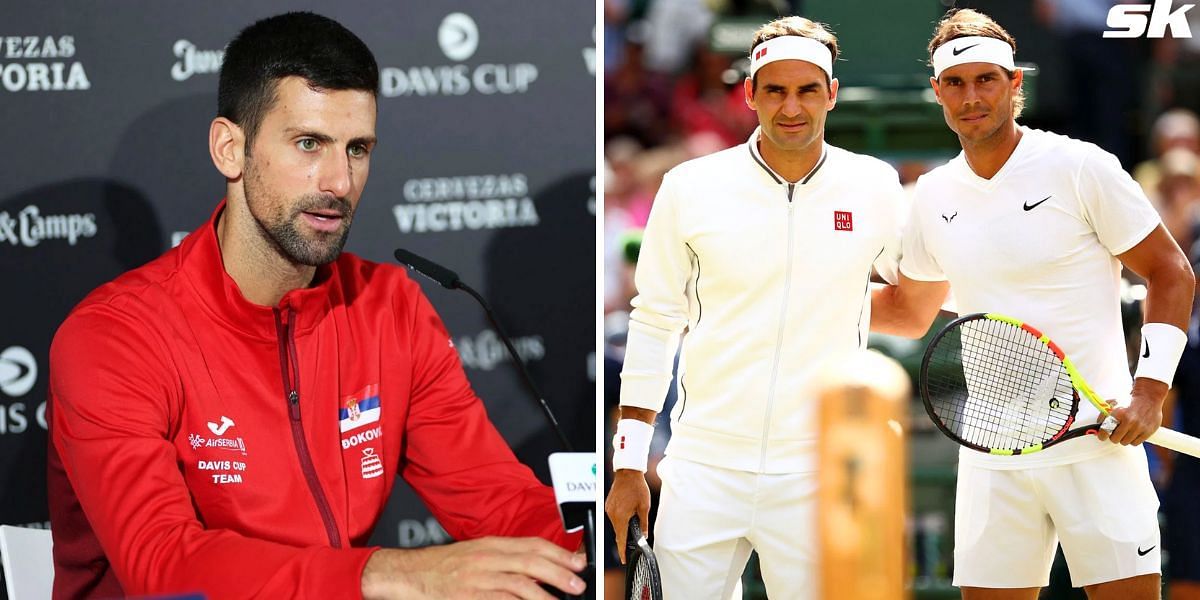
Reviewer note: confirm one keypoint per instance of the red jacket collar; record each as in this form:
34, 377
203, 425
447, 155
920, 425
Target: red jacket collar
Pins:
201, 262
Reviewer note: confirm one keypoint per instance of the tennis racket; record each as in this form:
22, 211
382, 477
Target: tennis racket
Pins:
995, 384
641, 570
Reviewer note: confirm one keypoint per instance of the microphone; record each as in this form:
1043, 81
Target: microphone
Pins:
443, 276
574, 477
449, 280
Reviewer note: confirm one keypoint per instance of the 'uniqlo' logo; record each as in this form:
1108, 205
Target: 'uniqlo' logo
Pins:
761, 53
843, 221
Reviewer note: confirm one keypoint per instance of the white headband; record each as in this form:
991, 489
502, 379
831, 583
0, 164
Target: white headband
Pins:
973, 49
791, 47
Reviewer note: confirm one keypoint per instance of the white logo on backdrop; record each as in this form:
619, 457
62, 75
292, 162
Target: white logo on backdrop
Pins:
18, 371
589, 54
41, 75
30, 227
18, 374
193, 61
485, 350
591, 201
1127, 20
414, 534
458, 36
466, 202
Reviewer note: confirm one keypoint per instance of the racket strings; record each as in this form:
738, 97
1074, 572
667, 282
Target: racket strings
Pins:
641, 575
1017, 384
1029, 360
996, 386
643, 579
988, 376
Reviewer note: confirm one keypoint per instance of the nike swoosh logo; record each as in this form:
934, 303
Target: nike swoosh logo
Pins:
958, 51
1146, 551
1029, 206
1147, 354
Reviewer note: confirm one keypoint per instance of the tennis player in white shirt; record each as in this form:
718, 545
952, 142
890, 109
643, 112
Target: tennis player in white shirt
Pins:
1037, 226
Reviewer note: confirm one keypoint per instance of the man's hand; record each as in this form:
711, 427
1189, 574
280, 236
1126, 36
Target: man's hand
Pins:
1142, 417
493, 567
629, 496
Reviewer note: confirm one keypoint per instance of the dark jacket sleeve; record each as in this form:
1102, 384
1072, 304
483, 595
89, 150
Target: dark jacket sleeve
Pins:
116, 404
454, 458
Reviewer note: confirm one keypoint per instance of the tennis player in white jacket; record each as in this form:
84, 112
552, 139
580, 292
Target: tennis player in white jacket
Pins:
760, 257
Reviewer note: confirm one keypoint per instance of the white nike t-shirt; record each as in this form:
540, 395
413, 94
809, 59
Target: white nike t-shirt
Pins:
1038, 242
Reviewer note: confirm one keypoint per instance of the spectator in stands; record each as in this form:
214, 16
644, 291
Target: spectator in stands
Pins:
1175, 128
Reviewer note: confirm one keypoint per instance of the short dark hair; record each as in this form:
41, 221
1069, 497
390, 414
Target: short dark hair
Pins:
302, 44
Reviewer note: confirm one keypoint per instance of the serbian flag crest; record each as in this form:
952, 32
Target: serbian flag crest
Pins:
359, 409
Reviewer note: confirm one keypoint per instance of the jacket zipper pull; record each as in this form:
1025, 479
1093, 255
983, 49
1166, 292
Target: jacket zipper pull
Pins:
294, 404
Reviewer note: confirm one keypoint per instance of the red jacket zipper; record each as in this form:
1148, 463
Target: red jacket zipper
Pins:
290, 368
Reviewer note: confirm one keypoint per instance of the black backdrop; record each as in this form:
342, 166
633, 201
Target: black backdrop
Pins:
485, 163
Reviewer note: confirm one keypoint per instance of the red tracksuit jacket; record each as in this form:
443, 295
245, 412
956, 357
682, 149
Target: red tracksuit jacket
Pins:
203, 443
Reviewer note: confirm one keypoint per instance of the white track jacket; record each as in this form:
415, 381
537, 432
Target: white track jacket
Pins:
768, 278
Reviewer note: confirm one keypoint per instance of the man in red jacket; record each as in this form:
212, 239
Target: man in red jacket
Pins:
230, 417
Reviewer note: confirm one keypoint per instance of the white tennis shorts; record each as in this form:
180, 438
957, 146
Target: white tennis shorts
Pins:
1007, 523
710, 518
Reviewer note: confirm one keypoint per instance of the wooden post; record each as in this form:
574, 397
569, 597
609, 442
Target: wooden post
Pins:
862, 499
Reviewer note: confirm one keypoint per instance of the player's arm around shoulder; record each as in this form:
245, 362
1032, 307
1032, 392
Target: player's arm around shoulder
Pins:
908, 308
1170, 289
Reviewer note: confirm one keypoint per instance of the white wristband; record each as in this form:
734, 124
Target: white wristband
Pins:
1162, 345
631, 444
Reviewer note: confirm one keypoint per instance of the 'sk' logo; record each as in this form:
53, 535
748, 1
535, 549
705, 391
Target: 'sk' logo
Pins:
226, 423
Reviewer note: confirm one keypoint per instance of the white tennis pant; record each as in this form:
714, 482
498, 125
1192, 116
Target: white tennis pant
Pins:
710, 518
1007, 523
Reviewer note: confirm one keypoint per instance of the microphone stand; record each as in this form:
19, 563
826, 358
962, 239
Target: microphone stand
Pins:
525, 377
450, 280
